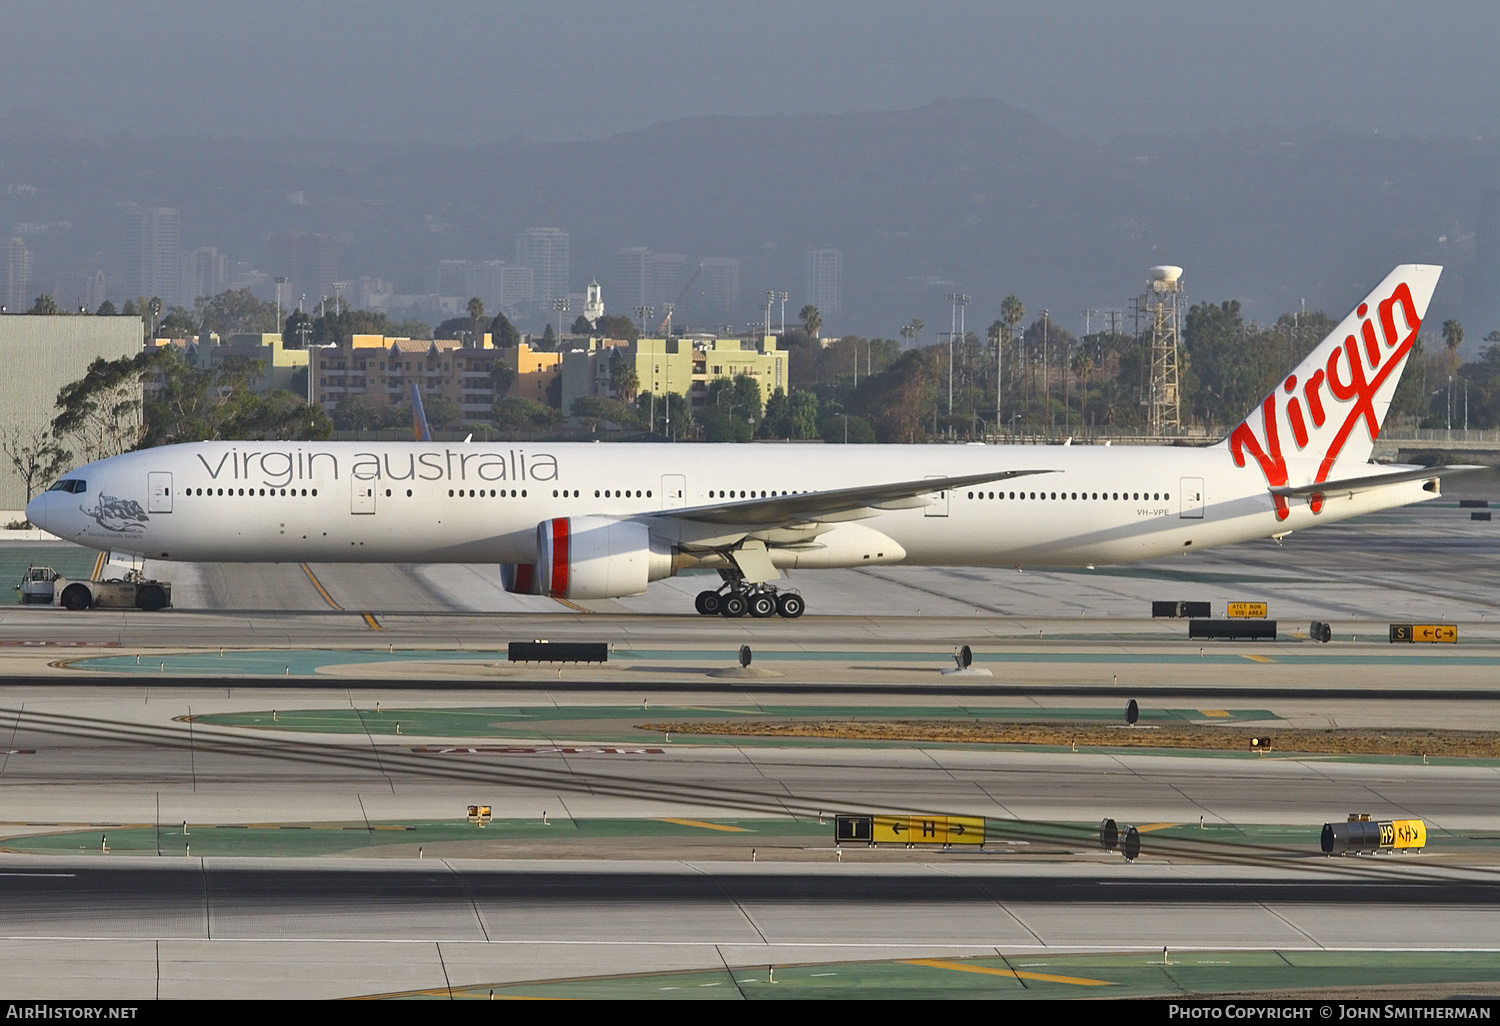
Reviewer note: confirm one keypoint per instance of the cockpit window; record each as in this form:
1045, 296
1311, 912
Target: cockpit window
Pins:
73, 485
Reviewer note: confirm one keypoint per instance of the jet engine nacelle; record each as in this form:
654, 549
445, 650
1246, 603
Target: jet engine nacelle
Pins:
596, 557
518, 578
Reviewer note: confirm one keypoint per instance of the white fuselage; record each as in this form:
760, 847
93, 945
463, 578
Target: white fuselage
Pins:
417, 502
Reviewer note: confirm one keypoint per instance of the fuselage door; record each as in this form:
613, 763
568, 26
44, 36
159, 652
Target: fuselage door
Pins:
673, 491
937, 502
1192, 498
158, 492
363, 497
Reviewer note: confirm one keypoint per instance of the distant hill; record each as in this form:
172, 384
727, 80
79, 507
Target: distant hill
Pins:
967, 193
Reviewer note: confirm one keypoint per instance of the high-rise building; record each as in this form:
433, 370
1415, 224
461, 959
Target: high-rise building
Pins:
205, 272
668, 275
545, 251
719, 285
631, 285
17, 276
467, 279
157, 267
644, 278
517, 288
74, 289
825, 280
451, 278
310, 264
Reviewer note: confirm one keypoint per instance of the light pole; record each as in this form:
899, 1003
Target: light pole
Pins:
959, 301
770, 298
963, 334
1046, 391
999, 374
783, 296
561, 306
280, 281
641, 313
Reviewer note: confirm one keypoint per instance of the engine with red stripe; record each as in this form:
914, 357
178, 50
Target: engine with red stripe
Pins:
519, 578
598, 557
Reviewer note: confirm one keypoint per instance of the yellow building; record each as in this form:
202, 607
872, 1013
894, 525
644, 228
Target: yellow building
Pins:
284, 368
385, 368
535, 371
664, 365
683, 365
729, 358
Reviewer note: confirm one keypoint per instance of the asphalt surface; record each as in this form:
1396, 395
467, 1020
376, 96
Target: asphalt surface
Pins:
125, 748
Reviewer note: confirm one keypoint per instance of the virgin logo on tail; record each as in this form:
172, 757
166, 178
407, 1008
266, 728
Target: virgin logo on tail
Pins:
1335, 401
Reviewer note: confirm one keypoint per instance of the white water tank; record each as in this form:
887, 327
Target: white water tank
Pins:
1165, 273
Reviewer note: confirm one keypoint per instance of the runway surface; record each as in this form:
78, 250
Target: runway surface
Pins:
132, 726
238, 928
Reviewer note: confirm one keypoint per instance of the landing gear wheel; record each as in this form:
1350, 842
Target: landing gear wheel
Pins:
708, 602
734, 604
790, 606
762, 605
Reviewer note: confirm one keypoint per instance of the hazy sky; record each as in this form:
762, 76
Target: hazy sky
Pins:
456, 70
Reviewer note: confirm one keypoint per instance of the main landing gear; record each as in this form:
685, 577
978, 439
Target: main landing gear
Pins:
736, 598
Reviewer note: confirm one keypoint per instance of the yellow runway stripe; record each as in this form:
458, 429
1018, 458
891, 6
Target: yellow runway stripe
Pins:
1259, 659
705, 826
99, 565
1079, 981
1155, 826
572, 605
374, 623
319, 585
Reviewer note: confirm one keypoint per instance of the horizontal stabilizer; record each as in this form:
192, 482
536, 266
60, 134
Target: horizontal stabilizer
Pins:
1350, 485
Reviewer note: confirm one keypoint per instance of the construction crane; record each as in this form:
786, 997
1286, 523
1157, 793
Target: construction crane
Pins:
665, 326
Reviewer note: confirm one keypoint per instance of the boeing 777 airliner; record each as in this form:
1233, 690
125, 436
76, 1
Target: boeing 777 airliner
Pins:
590, 521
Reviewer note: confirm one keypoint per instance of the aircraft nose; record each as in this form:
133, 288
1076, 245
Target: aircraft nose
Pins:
36, 511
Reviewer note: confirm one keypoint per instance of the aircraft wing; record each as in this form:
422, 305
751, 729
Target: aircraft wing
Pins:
805, 507
1349, 485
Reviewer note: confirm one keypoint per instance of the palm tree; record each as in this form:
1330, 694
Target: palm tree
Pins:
1012, 311
1082, 366
1453, 337
623, 378
811, 320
